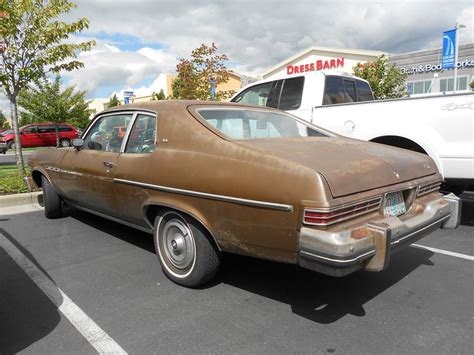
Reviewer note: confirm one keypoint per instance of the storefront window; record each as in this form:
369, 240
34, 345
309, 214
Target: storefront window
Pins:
420, 87
448, 84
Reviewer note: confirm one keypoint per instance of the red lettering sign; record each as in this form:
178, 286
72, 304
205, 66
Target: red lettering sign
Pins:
315, 66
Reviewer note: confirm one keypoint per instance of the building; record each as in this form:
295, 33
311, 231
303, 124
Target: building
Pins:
164, 82
322, 58
425, 74
423, 67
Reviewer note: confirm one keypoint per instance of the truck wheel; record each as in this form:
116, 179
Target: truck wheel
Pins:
11, 145
52, 201
186, 252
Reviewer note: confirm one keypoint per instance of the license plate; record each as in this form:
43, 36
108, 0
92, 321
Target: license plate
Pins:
394, 204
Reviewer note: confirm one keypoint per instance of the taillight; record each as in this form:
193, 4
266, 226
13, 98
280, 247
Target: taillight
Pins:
325, 217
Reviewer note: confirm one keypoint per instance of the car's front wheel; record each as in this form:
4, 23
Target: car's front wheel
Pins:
11, 145
52, 202
185, 249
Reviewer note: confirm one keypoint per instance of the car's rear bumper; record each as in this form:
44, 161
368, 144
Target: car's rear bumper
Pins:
369, 246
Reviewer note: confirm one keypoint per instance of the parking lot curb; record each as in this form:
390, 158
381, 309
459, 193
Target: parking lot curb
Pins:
17, 203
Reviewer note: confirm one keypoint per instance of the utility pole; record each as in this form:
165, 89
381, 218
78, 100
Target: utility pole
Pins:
456, 50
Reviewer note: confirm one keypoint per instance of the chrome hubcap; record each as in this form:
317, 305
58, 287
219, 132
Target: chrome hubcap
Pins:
178, 244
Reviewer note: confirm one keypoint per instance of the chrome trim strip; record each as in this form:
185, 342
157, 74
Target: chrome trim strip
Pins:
339, 261
419, 230
125, 111
241, 201
127, 133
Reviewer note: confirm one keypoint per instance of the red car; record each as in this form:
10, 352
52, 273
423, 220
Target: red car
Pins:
41, 135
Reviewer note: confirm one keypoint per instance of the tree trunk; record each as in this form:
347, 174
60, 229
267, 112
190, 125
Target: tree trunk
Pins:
18, 152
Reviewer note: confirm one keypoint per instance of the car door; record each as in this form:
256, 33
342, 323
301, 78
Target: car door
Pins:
135, 164
87, 173
29, 136
46, 136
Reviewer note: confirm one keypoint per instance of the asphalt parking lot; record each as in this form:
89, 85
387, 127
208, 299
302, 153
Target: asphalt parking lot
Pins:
422, 304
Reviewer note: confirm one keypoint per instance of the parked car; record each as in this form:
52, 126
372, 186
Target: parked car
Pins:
438, 125
41, 135
208, 177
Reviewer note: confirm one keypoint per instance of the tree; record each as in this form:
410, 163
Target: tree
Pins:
157, 97
113, 101
197, 74
35, 46
386, 80
3, 120
48, 103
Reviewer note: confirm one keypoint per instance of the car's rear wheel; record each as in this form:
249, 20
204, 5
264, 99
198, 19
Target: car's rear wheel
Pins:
64, 143
186, 252
52, 202
11, 145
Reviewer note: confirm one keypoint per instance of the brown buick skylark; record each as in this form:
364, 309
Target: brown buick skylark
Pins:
206, 178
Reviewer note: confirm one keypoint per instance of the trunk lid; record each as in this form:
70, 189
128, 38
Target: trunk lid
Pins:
349, 165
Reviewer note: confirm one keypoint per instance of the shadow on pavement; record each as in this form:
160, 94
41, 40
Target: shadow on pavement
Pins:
467, 216
127, 234
315, 296
26, 313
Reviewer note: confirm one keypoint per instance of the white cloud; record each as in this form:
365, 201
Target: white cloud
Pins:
106, 65
254, 34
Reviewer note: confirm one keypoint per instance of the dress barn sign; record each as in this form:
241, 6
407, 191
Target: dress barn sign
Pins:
315, 66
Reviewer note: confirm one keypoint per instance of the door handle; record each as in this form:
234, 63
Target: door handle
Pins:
109, 164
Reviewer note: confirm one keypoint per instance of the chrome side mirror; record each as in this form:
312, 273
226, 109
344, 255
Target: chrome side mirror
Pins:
77, 143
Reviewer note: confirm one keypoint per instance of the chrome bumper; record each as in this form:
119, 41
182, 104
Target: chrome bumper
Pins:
369, 246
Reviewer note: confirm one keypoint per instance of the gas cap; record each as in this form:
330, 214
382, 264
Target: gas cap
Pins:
349, 126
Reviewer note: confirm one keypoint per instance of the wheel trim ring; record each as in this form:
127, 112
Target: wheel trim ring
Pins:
159, 247
178, 244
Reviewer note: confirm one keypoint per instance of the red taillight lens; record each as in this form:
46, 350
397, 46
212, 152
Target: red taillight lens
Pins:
338, 214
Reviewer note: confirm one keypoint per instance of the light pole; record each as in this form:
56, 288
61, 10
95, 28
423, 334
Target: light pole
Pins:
458, 27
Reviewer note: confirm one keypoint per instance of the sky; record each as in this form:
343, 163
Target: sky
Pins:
139, 40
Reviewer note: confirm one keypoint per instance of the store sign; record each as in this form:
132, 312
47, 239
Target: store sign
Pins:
315, 66
435, 67
449, 49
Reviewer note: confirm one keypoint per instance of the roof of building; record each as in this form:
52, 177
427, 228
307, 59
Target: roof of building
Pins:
306, 52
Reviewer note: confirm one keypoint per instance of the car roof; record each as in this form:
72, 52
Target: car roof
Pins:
171, 105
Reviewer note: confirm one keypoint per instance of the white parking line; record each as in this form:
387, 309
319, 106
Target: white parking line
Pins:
445, 252
97, 337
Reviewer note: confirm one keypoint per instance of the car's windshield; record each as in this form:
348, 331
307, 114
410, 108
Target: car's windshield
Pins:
7, 131
251, 124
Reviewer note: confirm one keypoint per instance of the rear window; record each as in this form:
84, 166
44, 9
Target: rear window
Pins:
253, 124
291, 94
333, 91
364, 93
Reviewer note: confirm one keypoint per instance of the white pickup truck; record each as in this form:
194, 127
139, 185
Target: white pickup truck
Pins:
441, 126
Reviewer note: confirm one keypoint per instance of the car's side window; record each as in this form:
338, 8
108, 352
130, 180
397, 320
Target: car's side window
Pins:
256, 95
29, 130
107, 133
46, 129
143, 135
292, 93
